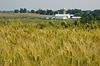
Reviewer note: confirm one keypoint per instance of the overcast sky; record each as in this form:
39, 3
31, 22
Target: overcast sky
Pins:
49, 4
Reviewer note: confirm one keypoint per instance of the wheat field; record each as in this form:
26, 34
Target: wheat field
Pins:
49, 45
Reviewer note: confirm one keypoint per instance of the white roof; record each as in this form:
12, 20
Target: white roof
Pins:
77, 17
64, 15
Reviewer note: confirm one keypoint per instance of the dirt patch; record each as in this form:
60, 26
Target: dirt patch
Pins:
6, 15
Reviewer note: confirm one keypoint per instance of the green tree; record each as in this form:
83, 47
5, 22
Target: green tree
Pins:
32, 11
49, 12
39, 11
21, 10
86, 18
24, 10
96, 14
16, 11
73, 11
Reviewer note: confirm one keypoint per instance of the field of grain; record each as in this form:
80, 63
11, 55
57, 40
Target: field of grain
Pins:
48, 44
6, 15
19, 16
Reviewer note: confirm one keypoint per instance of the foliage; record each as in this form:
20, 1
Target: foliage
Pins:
73, 11
23, 10
86, 18
16, 11
32, 11
96, 13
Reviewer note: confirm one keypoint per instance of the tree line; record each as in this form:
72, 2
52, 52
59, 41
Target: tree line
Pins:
87, 15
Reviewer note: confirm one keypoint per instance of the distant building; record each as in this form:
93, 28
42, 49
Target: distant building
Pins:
76, 17
61, 16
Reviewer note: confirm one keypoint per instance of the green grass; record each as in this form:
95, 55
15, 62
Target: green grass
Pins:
26, 21
36, 43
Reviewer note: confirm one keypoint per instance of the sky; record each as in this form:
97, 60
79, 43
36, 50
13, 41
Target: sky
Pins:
49, 4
